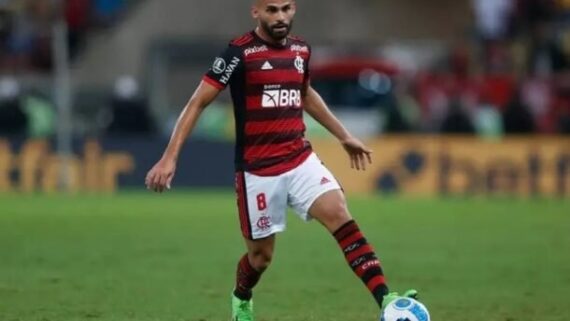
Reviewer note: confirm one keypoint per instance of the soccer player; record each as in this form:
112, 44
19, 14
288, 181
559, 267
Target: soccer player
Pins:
268, 73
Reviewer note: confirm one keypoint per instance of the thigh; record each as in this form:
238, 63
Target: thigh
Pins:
309, 182
262, 204
330, 210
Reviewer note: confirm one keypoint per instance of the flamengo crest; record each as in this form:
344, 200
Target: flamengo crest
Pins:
300, 64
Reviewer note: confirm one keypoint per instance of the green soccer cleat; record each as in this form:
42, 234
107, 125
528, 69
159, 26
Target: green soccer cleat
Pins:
411, 293
241, 310
394, 295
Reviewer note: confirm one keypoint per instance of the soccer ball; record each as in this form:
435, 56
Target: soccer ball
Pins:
405, 309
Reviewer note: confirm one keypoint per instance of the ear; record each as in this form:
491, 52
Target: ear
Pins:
254, 12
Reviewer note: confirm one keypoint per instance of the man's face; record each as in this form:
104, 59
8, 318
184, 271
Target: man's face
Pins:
275, 17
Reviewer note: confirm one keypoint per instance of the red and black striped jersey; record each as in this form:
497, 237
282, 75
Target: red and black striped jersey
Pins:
267, 84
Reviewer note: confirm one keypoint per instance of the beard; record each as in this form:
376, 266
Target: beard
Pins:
275, 33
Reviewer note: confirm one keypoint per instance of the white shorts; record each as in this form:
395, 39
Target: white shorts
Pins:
263, 200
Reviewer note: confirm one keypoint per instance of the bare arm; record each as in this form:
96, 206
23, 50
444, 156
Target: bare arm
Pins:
160, 176
202, 97
317, 108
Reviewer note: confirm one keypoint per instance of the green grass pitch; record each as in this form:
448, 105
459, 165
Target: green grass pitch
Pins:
140, 256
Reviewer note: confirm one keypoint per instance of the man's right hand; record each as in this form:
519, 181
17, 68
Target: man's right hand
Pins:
160, 176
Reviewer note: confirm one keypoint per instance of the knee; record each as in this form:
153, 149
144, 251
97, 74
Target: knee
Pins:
338, 208
331, 210
260, 259
337, 214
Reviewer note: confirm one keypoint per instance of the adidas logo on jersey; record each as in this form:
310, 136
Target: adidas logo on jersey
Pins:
267, 66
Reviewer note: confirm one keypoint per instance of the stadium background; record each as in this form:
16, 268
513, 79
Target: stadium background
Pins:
465, 103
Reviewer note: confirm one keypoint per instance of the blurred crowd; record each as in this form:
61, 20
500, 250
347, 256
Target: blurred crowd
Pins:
121, 110
512, 76
26, 29
26, 33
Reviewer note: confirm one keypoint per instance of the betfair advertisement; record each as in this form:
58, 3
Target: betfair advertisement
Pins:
108, 165
406, 165
428, 166
34, 167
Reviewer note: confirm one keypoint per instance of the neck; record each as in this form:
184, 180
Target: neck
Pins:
263, 35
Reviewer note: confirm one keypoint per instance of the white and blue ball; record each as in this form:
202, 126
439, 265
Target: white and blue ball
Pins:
405, 309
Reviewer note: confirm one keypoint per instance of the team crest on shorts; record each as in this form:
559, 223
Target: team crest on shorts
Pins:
263, 223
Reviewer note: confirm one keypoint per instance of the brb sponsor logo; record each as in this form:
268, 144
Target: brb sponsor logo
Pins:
273, 97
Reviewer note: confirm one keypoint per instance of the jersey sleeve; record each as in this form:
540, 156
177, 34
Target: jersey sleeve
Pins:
224, 67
